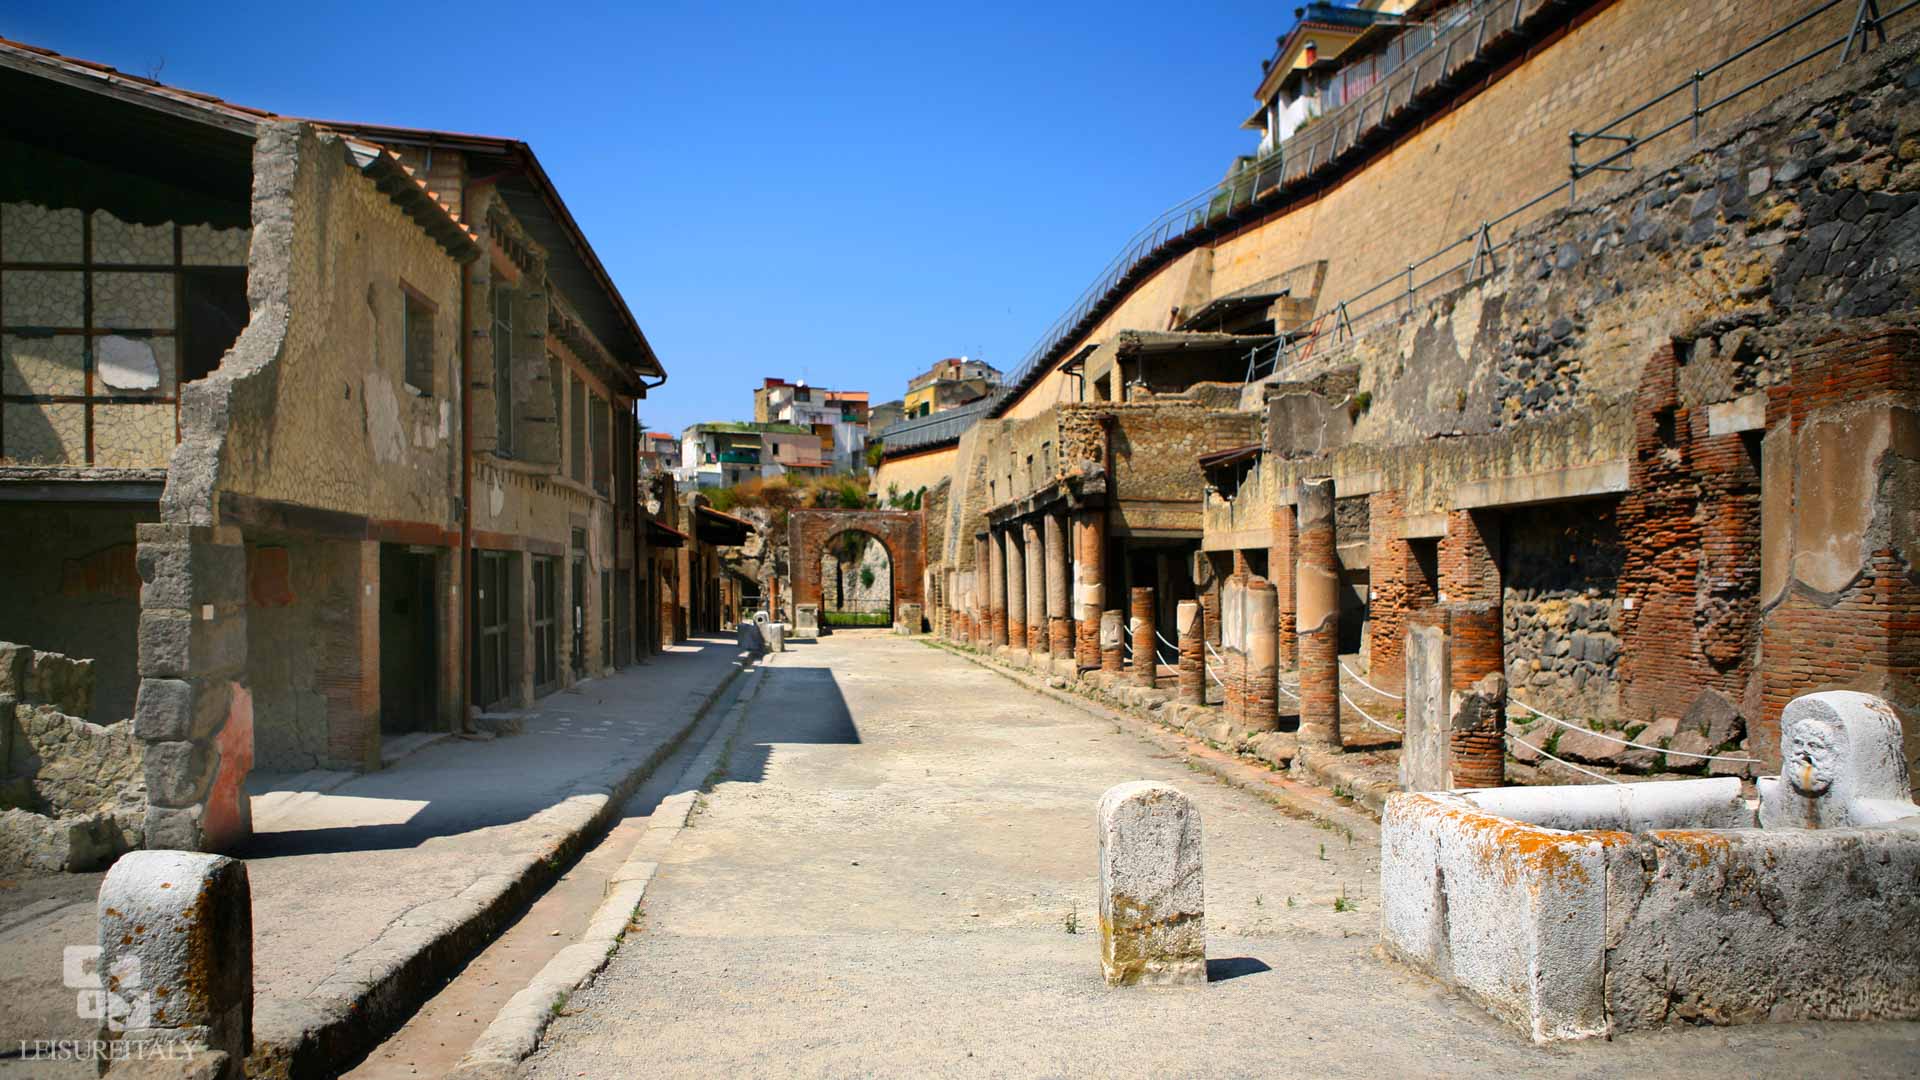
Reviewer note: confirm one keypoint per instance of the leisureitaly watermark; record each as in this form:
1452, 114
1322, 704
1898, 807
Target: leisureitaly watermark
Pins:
117, 1000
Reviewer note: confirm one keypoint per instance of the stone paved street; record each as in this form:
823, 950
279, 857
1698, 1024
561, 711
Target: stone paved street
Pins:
897, 877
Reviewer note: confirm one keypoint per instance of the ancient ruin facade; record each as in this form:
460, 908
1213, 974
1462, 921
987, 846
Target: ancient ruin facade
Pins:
1636, 447
314, 435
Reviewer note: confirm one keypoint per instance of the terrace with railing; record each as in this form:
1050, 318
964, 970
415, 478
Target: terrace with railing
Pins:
1454, 53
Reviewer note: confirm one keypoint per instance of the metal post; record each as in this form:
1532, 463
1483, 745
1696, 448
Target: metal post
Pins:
1409, 288
1866, 21
1696, 104
1573, 167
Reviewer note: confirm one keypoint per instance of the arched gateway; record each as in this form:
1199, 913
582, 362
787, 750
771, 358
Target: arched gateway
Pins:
809, 532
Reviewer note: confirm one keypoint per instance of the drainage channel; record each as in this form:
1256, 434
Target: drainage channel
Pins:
437, 1036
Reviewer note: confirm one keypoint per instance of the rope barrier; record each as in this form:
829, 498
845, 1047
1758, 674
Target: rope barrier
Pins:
1370, 686
1364, 716
1568, 764
1629, 742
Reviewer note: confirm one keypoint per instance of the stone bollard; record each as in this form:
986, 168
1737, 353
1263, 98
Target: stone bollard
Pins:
776, 635
749, 639
1152, 889
176, 957
1193, 653
1112, 637
1146, 654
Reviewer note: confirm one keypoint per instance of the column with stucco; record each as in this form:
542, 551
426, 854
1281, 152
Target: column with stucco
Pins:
1059, 615
1036, 587
1145, 659
1089, 588
997, 588
1016, 589
1317, 590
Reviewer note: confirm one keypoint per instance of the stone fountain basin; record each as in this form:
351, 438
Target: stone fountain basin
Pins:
1578, 911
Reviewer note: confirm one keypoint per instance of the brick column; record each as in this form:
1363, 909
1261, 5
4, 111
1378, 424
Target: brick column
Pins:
1141, 626
1280, 571
1036, 587
997, 588
1469, 571
1089, 588
193, 714
982, 586
1193, 653
1059, 615
1016, 589
1259, 706
1477, 732
1113, 630
1317, 608
1389, 561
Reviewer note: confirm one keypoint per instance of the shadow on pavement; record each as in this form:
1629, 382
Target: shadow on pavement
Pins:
1232, 967
795, 705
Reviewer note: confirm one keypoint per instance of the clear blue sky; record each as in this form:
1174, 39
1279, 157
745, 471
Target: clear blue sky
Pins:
799, 190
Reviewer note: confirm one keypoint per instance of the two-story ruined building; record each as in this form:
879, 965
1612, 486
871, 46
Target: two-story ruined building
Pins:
313, 433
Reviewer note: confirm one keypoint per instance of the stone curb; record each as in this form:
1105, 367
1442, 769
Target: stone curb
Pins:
375, 989
1287, 794
515, 1032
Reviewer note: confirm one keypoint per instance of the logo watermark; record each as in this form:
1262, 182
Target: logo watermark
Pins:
117, 1000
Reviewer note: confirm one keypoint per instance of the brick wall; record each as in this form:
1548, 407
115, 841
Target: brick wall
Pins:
900, 530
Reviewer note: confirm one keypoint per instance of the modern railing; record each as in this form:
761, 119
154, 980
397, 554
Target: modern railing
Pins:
1335, 133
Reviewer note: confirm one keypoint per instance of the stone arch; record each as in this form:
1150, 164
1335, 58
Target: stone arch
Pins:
898, 531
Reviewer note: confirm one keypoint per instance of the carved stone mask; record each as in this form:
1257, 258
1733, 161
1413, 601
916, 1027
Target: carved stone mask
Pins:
1812, 757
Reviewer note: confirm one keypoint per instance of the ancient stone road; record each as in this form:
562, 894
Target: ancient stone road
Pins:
890, 878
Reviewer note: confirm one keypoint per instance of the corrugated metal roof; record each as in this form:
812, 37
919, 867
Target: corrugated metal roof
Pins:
941, 427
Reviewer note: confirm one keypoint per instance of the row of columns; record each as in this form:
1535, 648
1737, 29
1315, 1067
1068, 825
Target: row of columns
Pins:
1020, 597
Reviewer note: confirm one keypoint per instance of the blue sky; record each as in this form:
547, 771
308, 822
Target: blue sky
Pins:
838, 193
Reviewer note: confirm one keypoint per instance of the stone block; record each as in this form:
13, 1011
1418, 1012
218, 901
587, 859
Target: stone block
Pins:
187, 575
908, 620
1640, 759
179, 773
176, 941
14, 663
175, 644
1423, 753
1152, 887
176, 827
169, 710
776, 636
1715, 718
806, 622
33, 843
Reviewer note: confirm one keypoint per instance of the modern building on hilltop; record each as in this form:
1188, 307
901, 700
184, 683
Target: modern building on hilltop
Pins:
951, 382
724, 453
838, 417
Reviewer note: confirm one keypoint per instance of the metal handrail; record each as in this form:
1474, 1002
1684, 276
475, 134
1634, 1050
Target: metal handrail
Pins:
1162, 230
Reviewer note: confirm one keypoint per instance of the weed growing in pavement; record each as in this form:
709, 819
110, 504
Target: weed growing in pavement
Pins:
1289, 901
1340, 792
1073, 920
559, 1006
1257, 902
1323, 853
1341, 903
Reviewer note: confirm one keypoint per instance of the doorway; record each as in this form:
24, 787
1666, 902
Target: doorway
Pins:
409, 640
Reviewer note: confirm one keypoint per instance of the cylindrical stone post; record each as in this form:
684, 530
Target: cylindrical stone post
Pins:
176, 957
1016, 589
1089, 589
1152, 888
1193, 653
1037, 641
1477, 724
997, 588
1059, 615
1113, 630
1145, 661
1317, 577
1259, 709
